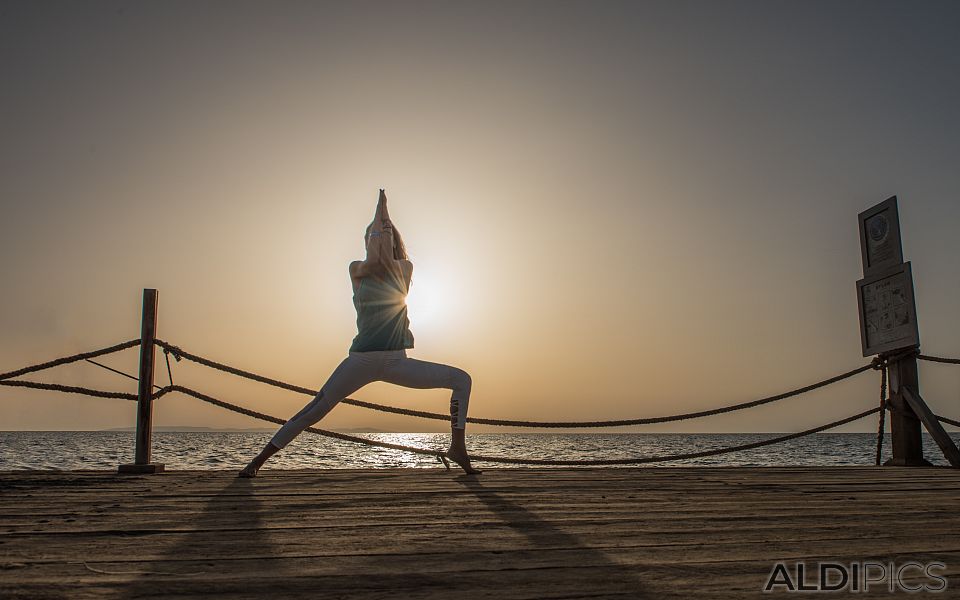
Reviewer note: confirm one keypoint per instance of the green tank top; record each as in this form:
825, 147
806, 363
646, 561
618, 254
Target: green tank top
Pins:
382, 322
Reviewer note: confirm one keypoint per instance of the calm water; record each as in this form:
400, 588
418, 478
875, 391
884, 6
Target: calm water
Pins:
231, 450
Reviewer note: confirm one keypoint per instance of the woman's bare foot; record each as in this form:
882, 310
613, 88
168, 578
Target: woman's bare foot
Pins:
250, 471
460, 456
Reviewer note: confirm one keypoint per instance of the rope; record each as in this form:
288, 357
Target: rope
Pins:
885, 360
166, 357
949, 361
880, 363
507, 460
112, 370
939, 359
689, 455
883, 412
56, 387
69, 359
278, 421
177, 352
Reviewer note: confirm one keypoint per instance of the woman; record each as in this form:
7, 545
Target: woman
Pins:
378, 353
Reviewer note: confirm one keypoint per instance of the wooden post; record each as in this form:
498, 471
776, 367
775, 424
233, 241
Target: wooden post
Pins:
148, 333
905, 433
888, 323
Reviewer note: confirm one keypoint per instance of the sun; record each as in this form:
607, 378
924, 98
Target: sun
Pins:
431, 299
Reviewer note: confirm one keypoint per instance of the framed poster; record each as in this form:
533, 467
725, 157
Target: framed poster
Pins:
888, 313
880, 246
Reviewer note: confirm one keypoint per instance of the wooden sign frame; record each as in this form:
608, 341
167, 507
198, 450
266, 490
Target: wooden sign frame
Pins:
880, 244
888, 311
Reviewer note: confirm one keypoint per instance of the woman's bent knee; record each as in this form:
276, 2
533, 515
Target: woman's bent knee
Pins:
461, 380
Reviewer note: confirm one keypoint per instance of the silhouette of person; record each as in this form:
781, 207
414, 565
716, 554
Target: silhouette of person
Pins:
379, 351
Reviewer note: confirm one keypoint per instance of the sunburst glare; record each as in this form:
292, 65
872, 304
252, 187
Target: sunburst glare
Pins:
431, 300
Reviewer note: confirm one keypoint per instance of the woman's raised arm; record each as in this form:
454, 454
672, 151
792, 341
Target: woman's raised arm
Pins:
379, 242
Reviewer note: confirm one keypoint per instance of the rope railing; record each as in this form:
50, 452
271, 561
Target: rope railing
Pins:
879, 363
516, 461
178, 352
6, 379
939, 359
70, 359
948, 361
70, 389
278, 421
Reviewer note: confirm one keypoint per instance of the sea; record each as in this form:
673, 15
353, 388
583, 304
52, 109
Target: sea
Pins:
216, 450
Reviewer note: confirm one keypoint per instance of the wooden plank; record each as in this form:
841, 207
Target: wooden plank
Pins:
537, 533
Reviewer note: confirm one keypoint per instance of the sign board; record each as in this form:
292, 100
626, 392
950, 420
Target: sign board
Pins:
888, 314
880, 246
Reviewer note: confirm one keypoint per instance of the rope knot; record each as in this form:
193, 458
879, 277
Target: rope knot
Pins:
167, 351
884, 360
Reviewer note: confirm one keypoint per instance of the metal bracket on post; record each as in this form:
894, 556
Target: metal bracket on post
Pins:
148, 334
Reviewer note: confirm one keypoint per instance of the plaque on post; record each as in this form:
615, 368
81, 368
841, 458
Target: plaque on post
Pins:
880, 245
888, 313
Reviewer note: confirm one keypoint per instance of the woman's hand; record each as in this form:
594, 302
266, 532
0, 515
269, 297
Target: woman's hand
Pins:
382, 216
381, 219
379, 242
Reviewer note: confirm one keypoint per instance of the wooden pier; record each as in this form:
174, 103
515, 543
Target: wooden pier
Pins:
513, 533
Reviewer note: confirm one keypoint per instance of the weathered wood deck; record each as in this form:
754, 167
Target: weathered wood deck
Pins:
625, 533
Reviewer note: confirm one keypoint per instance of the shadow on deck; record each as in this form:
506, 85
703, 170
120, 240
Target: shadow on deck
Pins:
517, 533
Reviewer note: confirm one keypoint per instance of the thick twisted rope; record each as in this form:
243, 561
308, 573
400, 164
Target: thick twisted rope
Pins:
883, 413
685, 456
939, 359
886, 361
428, 452
503, 459
880, 363
56, 387
178, 352
69, 359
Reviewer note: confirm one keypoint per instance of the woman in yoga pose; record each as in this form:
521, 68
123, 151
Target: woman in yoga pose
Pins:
379, 352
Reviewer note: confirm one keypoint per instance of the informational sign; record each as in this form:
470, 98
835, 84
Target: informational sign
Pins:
888, 314
880, 246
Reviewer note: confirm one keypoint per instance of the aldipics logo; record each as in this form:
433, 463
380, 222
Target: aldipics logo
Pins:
863, 576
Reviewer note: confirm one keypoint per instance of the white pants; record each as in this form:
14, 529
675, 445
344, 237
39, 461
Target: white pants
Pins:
392, 366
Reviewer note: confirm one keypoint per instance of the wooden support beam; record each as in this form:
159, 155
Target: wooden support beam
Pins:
932, 423
148, 334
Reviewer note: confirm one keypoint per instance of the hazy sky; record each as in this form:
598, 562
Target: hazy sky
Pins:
614, 209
